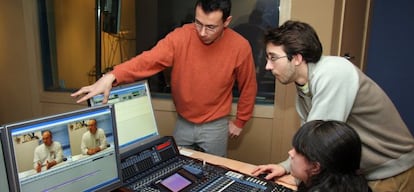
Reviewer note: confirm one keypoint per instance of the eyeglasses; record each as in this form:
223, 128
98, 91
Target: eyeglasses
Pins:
209, 28
274, 58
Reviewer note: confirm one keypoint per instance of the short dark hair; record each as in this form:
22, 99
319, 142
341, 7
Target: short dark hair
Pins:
209, 6
47, 130
296, 38
92, 120
332, 143
337, 148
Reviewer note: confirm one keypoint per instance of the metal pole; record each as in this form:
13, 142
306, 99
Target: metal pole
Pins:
98, 28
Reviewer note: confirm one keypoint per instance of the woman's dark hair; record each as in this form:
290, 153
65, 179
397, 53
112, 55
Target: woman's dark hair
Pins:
209, 6
337, 148
296, 38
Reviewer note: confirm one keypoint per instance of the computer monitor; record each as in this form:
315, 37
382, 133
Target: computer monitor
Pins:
134, 114
35, 145
4, 185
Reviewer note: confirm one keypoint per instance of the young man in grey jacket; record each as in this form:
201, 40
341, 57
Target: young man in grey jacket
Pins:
332, 88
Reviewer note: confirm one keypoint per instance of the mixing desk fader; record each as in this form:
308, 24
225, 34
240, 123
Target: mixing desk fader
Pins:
157, 167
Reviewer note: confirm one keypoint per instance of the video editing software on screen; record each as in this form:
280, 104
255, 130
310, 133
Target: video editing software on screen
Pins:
134, 113
33, 151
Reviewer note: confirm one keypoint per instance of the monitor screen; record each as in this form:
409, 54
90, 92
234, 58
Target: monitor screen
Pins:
135, 118
74, 151
4, 185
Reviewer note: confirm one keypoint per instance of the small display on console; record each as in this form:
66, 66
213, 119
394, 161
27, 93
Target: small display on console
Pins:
175, 182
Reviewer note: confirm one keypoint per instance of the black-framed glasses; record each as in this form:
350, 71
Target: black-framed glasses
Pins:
273, 58
209, 28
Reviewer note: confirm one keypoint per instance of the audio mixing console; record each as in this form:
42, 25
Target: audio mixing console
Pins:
157, 166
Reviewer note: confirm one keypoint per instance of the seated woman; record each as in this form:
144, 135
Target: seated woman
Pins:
325, 157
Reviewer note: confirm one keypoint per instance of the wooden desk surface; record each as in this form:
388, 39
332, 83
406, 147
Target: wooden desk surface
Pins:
243, 167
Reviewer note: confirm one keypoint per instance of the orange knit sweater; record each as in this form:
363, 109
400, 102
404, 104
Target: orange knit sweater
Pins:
202, 75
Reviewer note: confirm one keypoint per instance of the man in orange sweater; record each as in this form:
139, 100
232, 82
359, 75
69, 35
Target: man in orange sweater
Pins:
206, 58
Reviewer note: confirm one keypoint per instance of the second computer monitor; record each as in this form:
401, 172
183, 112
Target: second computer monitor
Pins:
133, 112
4, 185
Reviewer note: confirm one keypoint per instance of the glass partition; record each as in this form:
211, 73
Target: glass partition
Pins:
129, 27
